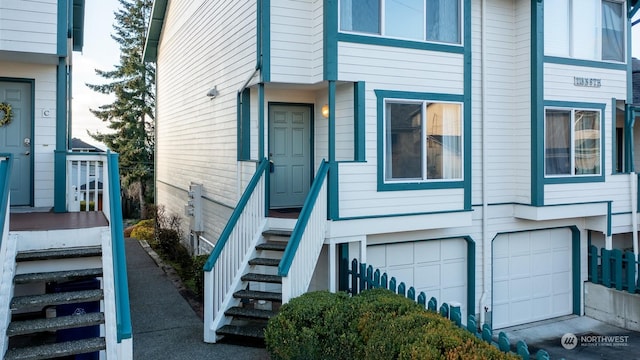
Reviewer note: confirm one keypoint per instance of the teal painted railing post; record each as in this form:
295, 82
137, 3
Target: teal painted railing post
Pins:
606, 267
123, 312
630, 260
593, 264
456, 314
5, 175
617, 268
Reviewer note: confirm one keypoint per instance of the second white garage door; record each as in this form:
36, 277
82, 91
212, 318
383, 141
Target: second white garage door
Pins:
531, 276
437, 267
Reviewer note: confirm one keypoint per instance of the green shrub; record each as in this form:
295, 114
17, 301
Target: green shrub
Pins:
144, 230
198, 274
83, 205
377, 324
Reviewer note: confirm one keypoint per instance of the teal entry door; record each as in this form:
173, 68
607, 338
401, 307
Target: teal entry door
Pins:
290, 155
15, 139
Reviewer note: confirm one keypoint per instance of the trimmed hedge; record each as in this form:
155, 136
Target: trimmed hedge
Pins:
144, 230
376, 324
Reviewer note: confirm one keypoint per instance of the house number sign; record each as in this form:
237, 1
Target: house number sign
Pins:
587, 82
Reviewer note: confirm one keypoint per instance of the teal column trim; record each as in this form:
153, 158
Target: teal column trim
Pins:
575, 268
609, 218
63, 27
343, 267
332, 193
265, 31
359, 121
5, 176
537, 107
614, 139
261, 121
629, 121
60, 159
467, 106
471, 275
243, 108
629, 64
259, 5
330, 40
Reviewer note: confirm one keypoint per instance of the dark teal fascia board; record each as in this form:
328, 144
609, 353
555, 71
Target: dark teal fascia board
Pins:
330, 40
60, 159
303, 220
467, 105
537, 106
381, 95
585, 63
63, 27
579, 178
235, 215
359, 118
77, 29
407, 44
158, 11
365, 217
265, 40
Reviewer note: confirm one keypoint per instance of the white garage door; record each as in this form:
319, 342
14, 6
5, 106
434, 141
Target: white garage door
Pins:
531, 277
437, 267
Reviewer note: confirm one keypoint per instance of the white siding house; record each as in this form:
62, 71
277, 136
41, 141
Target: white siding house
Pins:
471, 146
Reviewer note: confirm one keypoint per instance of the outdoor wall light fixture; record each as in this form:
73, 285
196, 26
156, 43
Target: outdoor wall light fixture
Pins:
213, 92
325, 111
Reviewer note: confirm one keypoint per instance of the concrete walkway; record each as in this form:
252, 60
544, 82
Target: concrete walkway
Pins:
164, 325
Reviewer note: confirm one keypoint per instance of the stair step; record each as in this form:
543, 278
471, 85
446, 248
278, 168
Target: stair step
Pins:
59, 254
274, 279
57, 276
272, 245
252, 331
52, 324
247, 313
264, 261
60, 298
282, 233
57, 350
258, 295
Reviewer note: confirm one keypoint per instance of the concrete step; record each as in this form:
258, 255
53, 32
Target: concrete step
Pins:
264, 261
247, 313
55, 254
57, 276
272, 245
258, 295
250, 330
276, 233
52, 324
273, 279
57, 350
60, 298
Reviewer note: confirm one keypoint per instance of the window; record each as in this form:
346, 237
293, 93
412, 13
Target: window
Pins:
585, 29
572, 142
423, 141
422, 20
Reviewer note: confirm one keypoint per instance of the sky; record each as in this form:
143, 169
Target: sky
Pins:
100, 51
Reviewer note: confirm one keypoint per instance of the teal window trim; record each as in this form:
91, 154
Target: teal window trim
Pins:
60, 162
537, 105
407, 44
585, 63
333, 182
383, 95
359, 121
365, 217
330, 40
571, 179
63, 27
244, 124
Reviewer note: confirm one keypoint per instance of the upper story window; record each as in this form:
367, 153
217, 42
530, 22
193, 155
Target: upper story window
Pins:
421, 20
423, 141
572, 141
585, 29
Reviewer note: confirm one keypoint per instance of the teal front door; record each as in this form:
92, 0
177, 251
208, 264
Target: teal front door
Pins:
15, 139
290, 154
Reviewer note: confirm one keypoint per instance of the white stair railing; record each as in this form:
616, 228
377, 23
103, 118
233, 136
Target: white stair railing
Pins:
301, 255
230, 255
85, 181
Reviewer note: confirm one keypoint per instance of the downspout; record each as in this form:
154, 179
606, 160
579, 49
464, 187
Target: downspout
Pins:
633, 181
486, 242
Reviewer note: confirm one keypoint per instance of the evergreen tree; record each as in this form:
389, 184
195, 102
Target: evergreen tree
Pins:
131, 115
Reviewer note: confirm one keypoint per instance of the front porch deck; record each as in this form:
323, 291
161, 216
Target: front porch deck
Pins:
39, 221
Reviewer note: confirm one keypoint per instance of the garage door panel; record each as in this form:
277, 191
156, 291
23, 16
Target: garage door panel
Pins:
453, 250
453, 295
377, 256
400, 254
427, 276
427, 251
532, 276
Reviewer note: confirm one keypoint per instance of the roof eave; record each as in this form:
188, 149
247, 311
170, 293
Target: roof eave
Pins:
158, 11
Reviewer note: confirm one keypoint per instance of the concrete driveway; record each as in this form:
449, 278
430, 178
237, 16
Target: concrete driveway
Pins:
593, 339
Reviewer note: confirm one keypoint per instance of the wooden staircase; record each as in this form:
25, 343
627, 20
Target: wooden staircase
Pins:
261, 295
64, 280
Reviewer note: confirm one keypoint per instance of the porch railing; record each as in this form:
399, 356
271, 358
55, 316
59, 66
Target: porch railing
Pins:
5, 176
224, 266
362, 277
85, 182
614, 269
7, 248
301, 255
